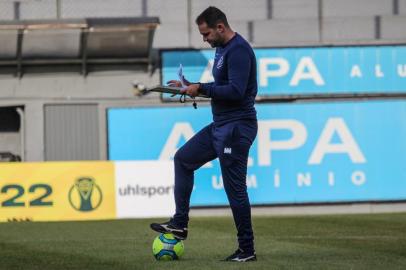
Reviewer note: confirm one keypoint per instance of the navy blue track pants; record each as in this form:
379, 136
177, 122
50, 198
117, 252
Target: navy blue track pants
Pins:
229, 142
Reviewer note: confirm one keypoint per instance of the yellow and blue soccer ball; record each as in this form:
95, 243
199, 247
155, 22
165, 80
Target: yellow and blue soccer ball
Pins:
166, 247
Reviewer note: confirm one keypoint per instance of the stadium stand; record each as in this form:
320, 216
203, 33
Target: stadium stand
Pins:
338, 30
286, 32
400, 7
393, 28
359, 8
294, 9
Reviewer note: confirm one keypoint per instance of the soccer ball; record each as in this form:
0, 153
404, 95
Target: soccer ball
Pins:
166, 247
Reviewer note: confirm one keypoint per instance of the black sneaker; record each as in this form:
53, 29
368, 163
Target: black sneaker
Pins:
168, 227
240, 256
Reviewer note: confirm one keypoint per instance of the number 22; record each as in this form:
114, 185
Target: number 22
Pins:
12, 202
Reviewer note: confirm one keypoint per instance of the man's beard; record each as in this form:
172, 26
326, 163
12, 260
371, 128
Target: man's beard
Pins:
218, 42
215, 44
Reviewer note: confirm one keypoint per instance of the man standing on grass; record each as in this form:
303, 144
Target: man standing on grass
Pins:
230, 135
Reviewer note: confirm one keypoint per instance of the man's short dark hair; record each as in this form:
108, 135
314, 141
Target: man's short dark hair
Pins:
212, 16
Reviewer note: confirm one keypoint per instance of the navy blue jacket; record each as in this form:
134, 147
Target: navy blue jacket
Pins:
235, 82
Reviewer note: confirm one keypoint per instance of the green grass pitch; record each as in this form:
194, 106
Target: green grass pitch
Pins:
376, 241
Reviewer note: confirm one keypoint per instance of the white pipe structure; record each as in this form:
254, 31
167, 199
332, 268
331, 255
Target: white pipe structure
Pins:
20, 111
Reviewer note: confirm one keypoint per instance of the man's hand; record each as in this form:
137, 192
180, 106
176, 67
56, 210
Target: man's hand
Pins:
174, 83
192, 90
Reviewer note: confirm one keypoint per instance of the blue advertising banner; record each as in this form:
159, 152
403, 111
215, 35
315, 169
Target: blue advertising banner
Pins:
304, 153
316, 70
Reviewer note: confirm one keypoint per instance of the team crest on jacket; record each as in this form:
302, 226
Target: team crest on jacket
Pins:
220, 62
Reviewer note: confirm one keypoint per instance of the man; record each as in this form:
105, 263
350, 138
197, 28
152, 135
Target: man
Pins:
229, 137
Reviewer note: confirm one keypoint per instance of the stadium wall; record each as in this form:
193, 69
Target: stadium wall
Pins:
99, 190
266, 24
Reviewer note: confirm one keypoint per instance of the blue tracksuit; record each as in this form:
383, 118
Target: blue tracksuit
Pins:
229, 137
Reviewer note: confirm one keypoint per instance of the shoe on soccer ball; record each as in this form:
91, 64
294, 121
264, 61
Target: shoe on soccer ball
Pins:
168, 227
